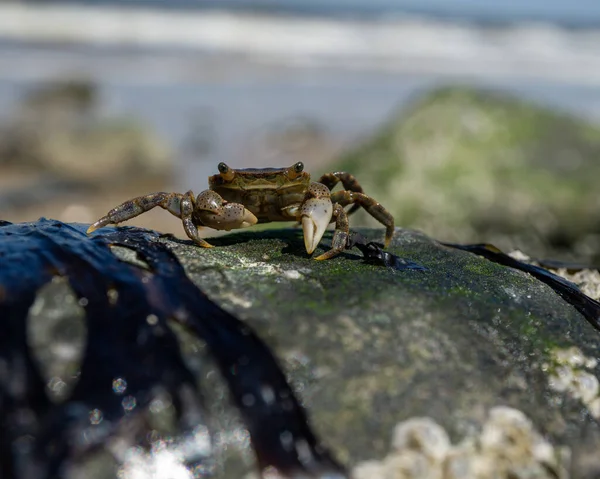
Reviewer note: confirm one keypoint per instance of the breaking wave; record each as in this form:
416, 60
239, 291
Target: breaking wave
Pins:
404, 44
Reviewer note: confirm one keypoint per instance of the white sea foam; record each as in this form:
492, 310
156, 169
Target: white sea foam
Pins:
405, 44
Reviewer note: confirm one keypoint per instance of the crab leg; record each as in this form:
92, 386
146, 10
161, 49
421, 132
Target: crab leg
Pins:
187, 210
180, 205
340, 235
349, 182
135, 207
372, 207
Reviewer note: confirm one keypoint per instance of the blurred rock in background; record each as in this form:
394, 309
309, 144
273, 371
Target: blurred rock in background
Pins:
57, 153
57, 130
470, 165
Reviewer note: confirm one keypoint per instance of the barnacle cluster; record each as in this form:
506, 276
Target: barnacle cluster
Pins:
568, 373
508, 446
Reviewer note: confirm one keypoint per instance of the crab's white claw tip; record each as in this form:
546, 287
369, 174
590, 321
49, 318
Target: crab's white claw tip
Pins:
249, 219
316, 215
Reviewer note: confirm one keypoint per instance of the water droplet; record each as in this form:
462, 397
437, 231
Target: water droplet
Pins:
129, 403
95, 416
152, 319
119, 385
248, 400
303, 450
267, 394
113, 296
83, 302
287, 440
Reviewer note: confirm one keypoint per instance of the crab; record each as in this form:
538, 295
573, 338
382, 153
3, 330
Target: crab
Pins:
238, 198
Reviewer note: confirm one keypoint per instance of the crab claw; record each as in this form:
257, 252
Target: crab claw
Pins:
316, 215
228, 217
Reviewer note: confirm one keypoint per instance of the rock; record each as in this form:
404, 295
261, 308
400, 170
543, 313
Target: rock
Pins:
467, 165
58, 130
458, 362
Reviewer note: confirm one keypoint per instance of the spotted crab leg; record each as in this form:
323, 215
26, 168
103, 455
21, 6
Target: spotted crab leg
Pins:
345, 198
180, 205
136, 206
187, 211
349, 182
340, 235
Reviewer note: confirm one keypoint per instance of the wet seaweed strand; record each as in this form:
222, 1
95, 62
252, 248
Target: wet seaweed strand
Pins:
588, 307
32, 254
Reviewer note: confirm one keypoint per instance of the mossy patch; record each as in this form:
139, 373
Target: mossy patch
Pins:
472, 165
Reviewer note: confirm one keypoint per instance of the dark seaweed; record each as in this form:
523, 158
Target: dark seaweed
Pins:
568, 265
39, 438
587, 306
374, 253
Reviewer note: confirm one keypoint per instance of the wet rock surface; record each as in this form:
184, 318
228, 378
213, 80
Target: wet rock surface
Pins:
366, 348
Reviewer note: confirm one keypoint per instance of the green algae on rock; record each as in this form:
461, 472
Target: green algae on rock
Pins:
366, 347
469, 165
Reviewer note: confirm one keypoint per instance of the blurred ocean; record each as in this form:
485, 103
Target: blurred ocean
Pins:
578, 13
238, 69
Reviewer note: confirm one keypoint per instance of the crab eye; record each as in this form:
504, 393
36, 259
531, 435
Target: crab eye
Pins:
298, 167
227, 174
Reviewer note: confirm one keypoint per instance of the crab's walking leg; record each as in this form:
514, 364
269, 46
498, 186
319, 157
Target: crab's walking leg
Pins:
372, 207
187, 209
349, 182
175, 203
137, 206
340, 236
